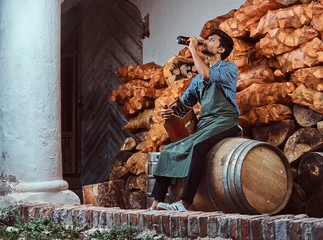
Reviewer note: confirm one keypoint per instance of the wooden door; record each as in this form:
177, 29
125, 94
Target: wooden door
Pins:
111, 37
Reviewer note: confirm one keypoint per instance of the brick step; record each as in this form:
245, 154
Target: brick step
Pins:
183, 225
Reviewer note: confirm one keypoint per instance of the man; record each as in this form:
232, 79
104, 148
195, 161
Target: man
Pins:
215, 89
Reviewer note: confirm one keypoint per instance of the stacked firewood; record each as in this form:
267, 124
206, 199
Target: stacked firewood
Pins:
279, 52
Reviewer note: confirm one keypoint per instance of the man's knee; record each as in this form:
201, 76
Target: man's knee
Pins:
201, 149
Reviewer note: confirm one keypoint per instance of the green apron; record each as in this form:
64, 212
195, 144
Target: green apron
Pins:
217, 115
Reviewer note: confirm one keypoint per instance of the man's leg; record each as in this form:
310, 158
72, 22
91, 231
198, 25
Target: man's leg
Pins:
160, 190
197, 167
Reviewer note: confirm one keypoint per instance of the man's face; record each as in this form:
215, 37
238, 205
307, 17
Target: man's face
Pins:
212, 46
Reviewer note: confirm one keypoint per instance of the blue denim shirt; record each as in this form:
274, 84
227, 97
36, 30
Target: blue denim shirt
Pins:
222, 73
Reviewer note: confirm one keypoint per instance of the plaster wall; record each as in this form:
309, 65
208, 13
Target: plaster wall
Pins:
170, 18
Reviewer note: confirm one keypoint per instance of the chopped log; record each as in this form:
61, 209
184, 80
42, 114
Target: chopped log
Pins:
186, 53
317, 21
311, 77
260, 94
295, 173
264, 115
258, 73
246, 15
296, 202
119, 172
129, 144
279, 41
302, 141
123, 71
306, 117
280, 76
137, 200
320, 127
177, 71
149, 93
121, 158
106, 194
183, 69
173, 65
310, 171
183, 52
307, 97
275, 133
142, 135
314, 206
139, 146
136, 105
157, 136
306, 1
137, 182
243, 53
244, 60
143, 120
124, 92
138, 83
143, 71
174, 90
233, 28
136, 163
292, 17
157, 80
214, 23
308, 54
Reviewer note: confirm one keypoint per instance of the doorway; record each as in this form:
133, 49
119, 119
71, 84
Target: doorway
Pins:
70, 101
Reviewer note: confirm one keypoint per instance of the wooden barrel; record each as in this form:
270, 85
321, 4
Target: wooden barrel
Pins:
243, 176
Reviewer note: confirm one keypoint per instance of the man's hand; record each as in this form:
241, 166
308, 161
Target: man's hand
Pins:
201, 67
192, 43
166, 112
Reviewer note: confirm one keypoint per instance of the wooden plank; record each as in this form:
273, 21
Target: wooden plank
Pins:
90, 15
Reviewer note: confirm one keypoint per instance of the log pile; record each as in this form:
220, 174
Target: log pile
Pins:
279, 52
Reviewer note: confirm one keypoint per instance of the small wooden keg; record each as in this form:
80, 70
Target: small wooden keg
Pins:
243, 176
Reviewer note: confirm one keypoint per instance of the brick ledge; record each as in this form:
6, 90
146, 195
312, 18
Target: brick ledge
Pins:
181, 225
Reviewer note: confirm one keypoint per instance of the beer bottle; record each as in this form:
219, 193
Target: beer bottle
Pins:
184, 40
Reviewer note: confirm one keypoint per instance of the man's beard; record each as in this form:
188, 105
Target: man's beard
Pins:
206, 52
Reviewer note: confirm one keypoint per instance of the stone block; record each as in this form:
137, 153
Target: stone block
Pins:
318, 230
308, 226
282, 227
245, 225
256, 227
165, 223
193, 226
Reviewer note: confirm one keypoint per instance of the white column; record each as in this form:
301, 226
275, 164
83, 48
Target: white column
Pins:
30, 122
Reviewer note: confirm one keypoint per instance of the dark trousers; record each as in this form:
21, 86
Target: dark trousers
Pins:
197, 167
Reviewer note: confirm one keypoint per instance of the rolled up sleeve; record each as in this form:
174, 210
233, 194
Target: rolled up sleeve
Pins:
191, 94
